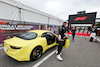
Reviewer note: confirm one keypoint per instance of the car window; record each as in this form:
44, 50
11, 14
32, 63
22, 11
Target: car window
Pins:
52, 35
43, 35
28, 35
47, 33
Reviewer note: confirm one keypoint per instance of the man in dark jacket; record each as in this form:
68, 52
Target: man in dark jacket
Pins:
62, 34
73, 33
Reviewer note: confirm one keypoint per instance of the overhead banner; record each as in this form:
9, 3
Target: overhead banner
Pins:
87, 18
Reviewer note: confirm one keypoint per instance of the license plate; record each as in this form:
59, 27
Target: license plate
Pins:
5, 49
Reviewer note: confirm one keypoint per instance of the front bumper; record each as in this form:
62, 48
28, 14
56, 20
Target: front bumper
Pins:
22, 54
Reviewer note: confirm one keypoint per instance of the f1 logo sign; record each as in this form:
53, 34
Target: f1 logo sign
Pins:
80, 18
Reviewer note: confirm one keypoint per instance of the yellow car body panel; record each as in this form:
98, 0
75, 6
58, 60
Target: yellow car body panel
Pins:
26, 46
23, 54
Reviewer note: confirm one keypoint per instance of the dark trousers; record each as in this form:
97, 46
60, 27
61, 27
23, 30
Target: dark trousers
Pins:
60, 46
73, 36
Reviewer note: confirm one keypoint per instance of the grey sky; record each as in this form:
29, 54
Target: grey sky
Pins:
63, 8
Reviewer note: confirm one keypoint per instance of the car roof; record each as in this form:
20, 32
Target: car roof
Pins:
39, 32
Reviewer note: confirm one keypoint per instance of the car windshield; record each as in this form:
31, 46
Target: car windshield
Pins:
28, 35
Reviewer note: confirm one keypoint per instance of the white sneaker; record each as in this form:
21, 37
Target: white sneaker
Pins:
57, 52
59, 57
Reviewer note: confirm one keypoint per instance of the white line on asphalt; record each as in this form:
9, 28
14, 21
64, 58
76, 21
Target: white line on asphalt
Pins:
1, 47
44, 59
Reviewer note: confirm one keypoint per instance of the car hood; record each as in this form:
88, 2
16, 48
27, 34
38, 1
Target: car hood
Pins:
15, 41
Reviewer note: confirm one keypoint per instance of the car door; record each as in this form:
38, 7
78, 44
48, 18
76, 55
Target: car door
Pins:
67, 43
52, 40
49, 37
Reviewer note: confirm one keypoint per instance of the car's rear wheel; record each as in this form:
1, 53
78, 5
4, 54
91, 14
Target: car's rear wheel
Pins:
36, 53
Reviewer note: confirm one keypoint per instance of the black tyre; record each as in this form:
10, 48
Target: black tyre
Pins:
36, 53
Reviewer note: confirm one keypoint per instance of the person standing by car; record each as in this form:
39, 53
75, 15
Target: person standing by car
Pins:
73, 33
61, 35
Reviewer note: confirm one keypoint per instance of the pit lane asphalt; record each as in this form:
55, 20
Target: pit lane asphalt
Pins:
80, 53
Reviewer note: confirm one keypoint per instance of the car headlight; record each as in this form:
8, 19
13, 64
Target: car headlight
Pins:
15, 47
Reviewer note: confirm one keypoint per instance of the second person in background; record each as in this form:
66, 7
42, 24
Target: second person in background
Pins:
73, 33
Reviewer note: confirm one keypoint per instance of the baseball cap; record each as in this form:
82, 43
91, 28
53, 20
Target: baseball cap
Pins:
64, 21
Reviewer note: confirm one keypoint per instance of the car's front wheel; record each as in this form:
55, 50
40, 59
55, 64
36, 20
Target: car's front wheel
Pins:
36, 53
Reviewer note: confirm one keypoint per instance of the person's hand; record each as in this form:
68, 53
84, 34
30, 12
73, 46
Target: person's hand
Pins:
65, 36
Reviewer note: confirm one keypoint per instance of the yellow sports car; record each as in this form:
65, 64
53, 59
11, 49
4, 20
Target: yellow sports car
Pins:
31, 45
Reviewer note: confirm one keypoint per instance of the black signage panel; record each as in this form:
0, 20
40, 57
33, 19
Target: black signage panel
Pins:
87, 18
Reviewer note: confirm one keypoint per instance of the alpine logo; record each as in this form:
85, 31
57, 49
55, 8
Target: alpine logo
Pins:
80, 18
